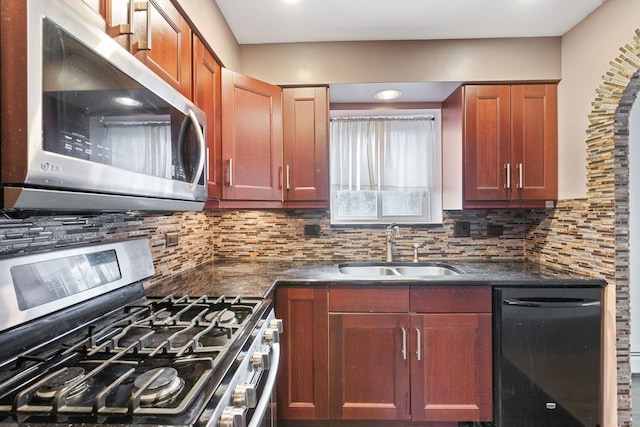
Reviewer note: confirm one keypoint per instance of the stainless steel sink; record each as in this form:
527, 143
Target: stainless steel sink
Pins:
427, 270
399, 270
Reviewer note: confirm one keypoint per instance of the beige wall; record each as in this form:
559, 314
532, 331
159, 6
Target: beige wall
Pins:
211, 24
403, 61
586, 52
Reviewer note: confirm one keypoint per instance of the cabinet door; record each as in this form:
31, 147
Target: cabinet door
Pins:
368, 366
487, 143
157, 34
206, 95
251, 138
534, 142
451, 367
303, 374
306, 143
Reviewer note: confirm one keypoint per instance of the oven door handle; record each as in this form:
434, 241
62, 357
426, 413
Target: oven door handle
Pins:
261, 407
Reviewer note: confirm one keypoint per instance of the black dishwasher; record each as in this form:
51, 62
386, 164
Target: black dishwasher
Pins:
547, 357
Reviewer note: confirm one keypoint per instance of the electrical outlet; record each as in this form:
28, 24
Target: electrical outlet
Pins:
494, 230
171, 239
312, 230
461, 229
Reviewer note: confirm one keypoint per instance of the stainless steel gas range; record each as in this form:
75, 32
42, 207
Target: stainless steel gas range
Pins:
81, 343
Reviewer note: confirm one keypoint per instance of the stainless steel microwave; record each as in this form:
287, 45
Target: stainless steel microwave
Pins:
85, 126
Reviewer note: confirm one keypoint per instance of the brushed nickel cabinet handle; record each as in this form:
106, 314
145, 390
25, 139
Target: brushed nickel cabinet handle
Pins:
145, 44
288, 177
419, 345
128, 27
230, 180
507, 168
519, 166
404, 344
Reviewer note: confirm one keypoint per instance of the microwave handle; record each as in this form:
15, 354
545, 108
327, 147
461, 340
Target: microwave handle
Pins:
201, 142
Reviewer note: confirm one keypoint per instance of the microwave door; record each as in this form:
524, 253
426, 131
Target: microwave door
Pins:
100, 122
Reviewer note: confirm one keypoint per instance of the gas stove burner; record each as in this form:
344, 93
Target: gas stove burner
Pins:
228, 317
162, 315
59, 381
224, 317
164, 387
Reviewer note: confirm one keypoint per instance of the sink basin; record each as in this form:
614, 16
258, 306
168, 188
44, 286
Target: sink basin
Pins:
427, 270
368, 270
397, 270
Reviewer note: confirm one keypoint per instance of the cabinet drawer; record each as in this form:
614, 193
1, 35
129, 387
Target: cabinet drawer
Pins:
383, 299
450, 299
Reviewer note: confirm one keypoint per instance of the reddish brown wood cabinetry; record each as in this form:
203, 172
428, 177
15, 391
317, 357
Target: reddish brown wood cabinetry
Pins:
303, 376
157, 34
368, 362
452, 366
510, 145
206, 95
306, 145
422, 355
251, 138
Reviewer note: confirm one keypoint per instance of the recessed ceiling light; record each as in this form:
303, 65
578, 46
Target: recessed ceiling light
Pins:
291, 1
387, 94
128, 102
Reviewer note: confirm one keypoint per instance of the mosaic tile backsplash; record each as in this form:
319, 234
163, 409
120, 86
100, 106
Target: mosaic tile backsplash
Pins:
252, 235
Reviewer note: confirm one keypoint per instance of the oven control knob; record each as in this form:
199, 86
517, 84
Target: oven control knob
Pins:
245, 395
271, 336
276, 324
260, 361
233, 417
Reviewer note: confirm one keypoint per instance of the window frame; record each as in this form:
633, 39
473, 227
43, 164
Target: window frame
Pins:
436, 207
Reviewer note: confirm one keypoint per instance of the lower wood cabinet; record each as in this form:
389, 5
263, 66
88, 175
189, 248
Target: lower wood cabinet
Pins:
302, 388
397, 353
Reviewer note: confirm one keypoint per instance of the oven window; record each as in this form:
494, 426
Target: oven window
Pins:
47, 281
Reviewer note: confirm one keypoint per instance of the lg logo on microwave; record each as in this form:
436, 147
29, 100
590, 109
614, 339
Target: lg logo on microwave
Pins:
50, 167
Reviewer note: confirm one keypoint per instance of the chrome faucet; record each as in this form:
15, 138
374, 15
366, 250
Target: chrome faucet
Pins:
391, 232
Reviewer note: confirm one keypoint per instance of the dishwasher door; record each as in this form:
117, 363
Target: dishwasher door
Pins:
547, 358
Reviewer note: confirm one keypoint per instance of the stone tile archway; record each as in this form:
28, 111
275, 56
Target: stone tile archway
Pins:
592, 235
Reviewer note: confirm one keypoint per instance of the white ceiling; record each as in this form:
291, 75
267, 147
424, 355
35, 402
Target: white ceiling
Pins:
280, 21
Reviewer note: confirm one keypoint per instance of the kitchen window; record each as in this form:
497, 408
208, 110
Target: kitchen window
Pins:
386, 169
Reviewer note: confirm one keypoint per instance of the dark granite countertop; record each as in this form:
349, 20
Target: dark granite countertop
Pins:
259, 278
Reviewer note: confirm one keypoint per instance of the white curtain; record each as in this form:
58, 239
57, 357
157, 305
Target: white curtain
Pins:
382, 153
382, 167
144, 148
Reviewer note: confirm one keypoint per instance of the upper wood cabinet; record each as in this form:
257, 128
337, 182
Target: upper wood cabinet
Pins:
306, 144
206, 95
251, 138
156, 33
510, 145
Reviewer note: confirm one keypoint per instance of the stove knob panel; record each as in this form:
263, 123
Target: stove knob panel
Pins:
276, 324
245, 395
233, 417
261, 361
271, 336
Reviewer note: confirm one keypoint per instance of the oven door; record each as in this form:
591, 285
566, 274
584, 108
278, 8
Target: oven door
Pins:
249, 396
265, 412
